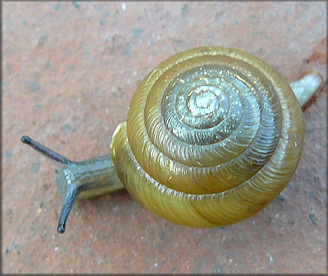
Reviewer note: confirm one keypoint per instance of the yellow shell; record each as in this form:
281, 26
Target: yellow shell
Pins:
213, 135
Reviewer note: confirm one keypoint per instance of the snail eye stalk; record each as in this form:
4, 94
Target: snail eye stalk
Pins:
46, 151
84, 179
67, 207
71, 194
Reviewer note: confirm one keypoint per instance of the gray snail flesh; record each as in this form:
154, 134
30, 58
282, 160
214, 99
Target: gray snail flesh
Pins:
213, 135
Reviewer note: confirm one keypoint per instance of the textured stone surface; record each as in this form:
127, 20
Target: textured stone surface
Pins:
69, 73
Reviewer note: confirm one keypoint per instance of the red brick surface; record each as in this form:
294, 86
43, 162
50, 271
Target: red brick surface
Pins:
69, 73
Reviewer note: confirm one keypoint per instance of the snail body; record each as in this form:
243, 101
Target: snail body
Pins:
213, 135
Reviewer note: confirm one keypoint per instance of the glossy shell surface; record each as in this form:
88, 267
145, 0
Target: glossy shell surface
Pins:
213, 135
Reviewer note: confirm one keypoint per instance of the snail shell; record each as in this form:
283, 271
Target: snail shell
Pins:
213, 135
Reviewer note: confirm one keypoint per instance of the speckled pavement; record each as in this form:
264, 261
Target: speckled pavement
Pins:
70, 70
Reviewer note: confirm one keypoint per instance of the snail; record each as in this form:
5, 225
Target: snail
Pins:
213, 135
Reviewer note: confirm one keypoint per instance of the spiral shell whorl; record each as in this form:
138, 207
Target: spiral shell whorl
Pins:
205, 134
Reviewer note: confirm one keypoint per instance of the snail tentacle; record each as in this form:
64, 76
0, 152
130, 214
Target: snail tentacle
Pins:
69, 201
46, 151
83, 179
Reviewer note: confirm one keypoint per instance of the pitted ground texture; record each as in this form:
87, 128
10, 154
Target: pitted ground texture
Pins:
70, 70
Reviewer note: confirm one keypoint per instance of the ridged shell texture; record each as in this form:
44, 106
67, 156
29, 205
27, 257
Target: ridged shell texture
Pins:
213, 135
